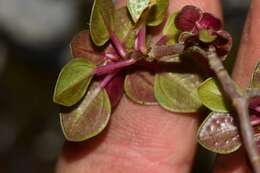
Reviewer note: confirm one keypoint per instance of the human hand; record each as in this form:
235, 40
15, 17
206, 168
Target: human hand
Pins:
149, 139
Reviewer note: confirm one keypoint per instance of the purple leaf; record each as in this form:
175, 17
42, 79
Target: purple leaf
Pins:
208, 21
255, 104
82, 47
115, 89
192, 19
223, 43
187, 18
254, 107
219, 134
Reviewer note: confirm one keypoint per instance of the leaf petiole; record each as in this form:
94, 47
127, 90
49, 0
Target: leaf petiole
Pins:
107, 79
118, 45
254, 120
114, 66
140, 42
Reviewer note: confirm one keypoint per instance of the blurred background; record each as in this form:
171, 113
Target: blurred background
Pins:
34, 39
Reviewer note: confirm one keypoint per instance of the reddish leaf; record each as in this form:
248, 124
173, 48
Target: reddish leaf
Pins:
223, 43
88, 118
219, 134
187, 18
254, 105
208, 21
82, 47
139, 87
115, 89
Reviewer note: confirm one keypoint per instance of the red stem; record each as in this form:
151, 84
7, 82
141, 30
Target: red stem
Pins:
107, 79
140, 42
114, 66
118, 45
255, 121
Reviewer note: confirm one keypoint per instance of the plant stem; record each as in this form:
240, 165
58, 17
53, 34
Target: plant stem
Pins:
255, 122
140, 42
162, 41
114, 66
111, 56
240, 103
166, 50
118, 45
107, 79
100, 86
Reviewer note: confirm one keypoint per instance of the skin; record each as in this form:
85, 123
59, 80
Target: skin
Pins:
248, 56
143, 139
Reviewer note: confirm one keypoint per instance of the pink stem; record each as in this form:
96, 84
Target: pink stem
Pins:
118, 45
101, 85
254, 120
114, 66
140, 42
107, 79
162, 41
111, 56
257, 108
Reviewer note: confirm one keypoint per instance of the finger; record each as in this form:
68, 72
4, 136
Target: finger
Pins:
249, 51
139, 139
248, 56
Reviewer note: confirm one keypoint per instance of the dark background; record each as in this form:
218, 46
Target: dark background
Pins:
34, 38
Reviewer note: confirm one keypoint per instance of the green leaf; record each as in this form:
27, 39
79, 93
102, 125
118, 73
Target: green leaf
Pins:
177, 92
101, 20
206, 37
139, 87
219, 134
170, 29
136, 8
157, 12
255, 80
124, 27
88, 118
73, 81
211, 96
